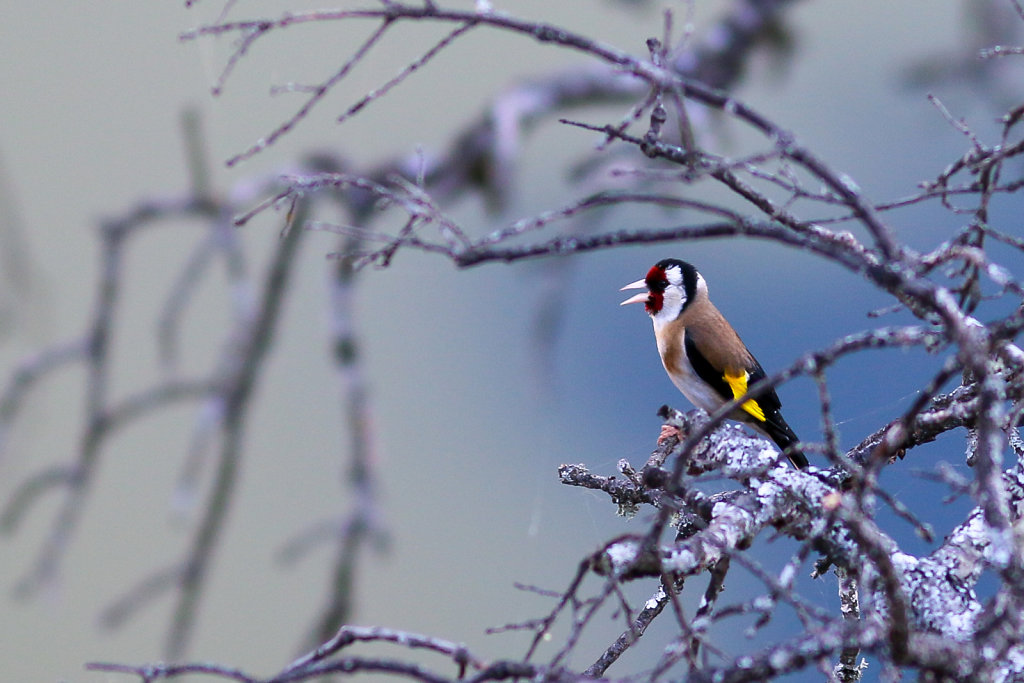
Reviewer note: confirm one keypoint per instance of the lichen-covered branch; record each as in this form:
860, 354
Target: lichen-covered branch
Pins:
706, 501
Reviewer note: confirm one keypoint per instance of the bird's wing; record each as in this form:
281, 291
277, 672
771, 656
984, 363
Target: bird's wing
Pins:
731, 383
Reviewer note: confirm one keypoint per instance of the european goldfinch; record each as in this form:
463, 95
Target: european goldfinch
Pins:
702, 353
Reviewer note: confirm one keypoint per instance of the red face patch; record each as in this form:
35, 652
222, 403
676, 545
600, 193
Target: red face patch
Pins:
656, 283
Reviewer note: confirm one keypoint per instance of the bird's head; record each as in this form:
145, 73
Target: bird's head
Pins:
670, 286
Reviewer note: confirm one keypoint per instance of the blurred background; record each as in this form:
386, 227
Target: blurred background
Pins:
476, 402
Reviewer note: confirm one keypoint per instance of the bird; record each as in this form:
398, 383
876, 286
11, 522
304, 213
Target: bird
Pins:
704, 356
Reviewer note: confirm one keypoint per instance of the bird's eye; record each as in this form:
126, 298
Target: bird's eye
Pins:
657, 280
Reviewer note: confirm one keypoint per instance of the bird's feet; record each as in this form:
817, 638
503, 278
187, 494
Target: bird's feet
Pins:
667, 432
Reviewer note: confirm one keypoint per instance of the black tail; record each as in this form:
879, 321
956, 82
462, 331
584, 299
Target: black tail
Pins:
779, 432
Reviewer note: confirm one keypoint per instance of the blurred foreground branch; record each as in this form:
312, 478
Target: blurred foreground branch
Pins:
713, 494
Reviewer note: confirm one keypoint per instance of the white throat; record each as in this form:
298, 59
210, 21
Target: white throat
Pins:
674, 299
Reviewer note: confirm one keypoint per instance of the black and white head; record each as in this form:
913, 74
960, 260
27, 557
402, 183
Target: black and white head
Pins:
672, 285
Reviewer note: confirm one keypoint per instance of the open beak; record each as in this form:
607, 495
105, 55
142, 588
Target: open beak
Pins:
636, 298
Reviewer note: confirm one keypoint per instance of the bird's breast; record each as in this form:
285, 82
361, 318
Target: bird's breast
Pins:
672, 349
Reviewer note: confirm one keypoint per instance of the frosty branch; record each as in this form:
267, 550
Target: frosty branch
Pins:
715, 492
910, 614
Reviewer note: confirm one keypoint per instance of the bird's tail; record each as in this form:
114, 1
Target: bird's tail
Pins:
779, 432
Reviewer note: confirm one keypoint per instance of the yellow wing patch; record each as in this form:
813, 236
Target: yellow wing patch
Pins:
738, 384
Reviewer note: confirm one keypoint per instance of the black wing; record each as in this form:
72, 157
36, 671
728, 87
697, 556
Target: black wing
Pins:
766, 413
